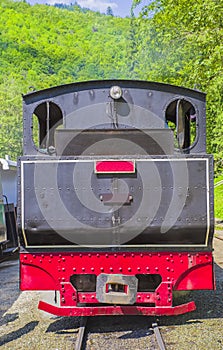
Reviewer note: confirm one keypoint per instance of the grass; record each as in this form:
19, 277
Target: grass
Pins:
218, 199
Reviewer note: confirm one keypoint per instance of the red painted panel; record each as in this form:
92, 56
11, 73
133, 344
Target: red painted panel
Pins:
36, 278
178, 271
114, 166
117, 310
194, 278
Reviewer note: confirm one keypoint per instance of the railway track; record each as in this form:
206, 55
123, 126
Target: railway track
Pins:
219, 238
4, 263
82, 333
158, 336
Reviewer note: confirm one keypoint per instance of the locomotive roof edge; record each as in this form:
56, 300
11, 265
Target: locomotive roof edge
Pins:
90, 84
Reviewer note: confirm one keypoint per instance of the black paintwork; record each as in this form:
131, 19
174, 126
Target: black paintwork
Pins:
84, 110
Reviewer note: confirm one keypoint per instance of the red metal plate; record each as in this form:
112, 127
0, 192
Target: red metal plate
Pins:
114, 166
117, 310
178, 271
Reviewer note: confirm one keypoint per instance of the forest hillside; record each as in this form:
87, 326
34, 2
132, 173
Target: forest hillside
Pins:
42, 46
173, 42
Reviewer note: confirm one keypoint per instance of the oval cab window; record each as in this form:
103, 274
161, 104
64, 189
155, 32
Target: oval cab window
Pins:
181, 117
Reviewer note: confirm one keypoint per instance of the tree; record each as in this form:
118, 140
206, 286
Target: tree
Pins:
109, 11
46, 53
183, 44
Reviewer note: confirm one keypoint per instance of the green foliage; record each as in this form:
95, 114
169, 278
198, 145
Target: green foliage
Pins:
219, 198
10, 118
178, 42
182, 43
42, 46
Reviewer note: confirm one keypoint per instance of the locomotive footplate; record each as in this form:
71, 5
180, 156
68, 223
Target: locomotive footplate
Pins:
116, 289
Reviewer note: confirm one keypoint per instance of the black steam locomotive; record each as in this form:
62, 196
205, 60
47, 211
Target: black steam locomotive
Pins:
115, 210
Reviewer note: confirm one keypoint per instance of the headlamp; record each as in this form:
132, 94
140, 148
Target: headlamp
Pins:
116, 92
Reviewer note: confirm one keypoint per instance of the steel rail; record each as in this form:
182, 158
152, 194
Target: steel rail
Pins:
158, 336
80, 336
220, 238
5, 263
218, 183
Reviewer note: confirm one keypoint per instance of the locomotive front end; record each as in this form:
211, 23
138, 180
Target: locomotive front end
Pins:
116, 198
